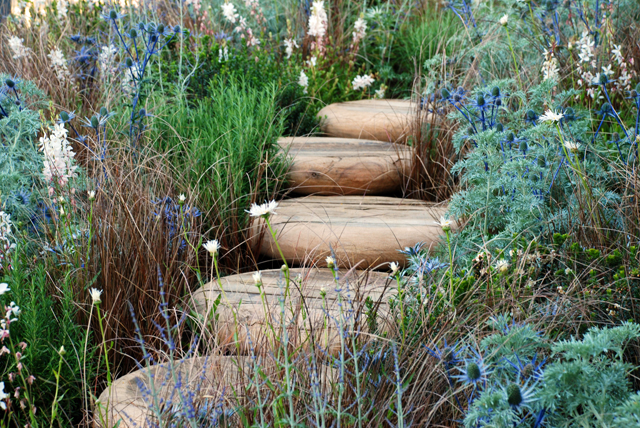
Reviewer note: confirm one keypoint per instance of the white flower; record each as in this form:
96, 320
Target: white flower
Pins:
361, 30
95, 295
182, 197
361, 82
331, 262
303, 81
560, 290
318, 20
5, 234
212, 247
91, 194
394, 267
223, 54
17, 46
107, 61
504, 20
229, 12
4, 287
445, 224
63, 7
379, 94
3, 397
58, 156
572, 146
607, 70
257, 278
289, 44
59, 64
312, 61
550, 66
502, 265
12, 309
551, 116
264, 210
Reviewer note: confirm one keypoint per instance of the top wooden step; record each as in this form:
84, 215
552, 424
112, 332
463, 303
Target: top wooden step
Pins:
382, 120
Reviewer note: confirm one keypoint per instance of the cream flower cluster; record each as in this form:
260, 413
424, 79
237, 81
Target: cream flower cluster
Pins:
58, 157
318, 20
289, 44
5, 237
59, 64
362, 82
107, 61
549, 66
18, 48
360, 28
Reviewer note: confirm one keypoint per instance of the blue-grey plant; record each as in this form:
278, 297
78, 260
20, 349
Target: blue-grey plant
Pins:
518, 173
506, 382
146, 40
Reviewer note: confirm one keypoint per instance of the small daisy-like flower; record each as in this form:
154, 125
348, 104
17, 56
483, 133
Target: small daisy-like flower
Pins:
212, 247
572, 146
257, 278
394, 267
560, 290
91, 194
264, 210
181, 198
504, 20
95, 295
502, 265
331, 262
445, 224
551, 116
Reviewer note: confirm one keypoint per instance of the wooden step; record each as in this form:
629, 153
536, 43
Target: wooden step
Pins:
128, 399
364, 231
381, 120
245, 311
346, 166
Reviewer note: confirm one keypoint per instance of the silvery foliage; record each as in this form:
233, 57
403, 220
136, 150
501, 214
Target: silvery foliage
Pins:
514, 175
20, 160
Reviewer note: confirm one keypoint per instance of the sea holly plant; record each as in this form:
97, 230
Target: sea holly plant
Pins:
526, 158
518, 377
140, 43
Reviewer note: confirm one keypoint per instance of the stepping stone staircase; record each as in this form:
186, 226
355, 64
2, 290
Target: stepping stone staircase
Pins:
340, 182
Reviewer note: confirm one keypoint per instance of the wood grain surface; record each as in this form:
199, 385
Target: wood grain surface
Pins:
363, 231
381, 120
346, 166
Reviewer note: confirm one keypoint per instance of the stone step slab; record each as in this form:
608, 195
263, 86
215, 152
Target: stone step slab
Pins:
381, 120
129, 401
346, 166
314, 304
363, 231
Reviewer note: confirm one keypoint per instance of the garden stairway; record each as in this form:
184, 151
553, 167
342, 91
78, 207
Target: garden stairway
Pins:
341, 181
342, 208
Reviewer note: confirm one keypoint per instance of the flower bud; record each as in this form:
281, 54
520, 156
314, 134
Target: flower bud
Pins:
160, 28
113, 15
514, 395
603, 80
10, 83
95, 122
64, 116
499, 127
129, 62
133, 33
103, 111
495, 91
480, 101
445, 93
